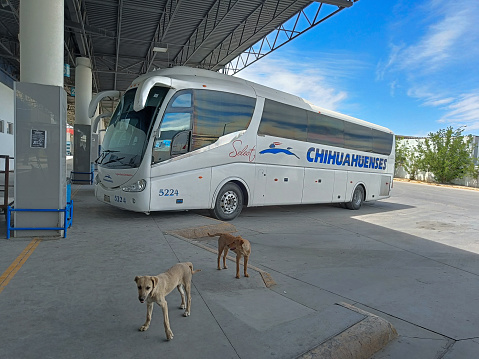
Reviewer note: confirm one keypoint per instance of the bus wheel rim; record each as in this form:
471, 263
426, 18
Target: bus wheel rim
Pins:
357, 197
229, 202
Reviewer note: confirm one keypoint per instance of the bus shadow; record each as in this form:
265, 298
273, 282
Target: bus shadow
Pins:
367, 208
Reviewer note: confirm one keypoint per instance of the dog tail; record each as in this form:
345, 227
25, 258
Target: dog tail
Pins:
191, 267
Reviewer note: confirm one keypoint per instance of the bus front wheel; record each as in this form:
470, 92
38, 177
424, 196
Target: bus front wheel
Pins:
358, 198
229, 202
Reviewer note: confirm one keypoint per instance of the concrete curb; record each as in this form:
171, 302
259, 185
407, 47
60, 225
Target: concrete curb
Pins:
359, 341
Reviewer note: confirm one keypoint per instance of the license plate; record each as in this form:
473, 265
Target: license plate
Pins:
106, 198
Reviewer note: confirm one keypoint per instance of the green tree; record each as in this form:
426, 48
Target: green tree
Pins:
401, 152
407, 157
447, 154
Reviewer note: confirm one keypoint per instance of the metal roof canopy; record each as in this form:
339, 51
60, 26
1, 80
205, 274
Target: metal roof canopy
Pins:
119, 35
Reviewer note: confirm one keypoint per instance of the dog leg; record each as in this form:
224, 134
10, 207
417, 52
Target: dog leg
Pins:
224, 257
188, 300
245, 260
149, 312
220, 251
166, 321
182, 293
238, 256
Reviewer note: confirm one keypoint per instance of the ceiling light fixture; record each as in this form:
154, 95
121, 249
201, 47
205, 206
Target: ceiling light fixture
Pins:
160, 49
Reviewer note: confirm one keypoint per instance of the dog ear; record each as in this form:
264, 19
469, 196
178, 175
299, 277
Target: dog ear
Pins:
136, 279
154, 280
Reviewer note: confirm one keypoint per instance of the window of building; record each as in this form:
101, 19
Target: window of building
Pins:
2, 124
10, 128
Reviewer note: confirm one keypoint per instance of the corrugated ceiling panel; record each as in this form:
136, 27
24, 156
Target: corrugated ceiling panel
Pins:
235, 24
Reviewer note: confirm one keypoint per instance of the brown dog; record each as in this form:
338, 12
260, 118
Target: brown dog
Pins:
239, 245
156, 288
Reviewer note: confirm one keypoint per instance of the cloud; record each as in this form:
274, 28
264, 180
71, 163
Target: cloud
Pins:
441, 43
461, 110
315, 81
433, 54
464, 111
446, 40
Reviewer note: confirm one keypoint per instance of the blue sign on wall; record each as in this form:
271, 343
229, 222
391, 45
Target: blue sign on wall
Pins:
66, 70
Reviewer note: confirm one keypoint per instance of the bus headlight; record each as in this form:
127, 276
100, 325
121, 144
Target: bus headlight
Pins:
135, 187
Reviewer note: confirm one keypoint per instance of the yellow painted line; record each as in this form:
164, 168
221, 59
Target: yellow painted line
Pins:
18, 263
75, 192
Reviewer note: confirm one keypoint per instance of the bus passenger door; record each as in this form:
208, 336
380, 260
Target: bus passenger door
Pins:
318, 185
339, 190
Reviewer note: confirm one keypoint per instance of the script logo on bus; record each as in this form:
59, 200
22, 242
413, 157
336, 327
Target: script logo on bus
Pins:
275, 150
108, 178
337, 158
240, 150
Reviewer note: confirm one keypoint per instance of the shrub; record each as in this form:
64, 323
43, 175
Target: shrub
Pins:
447, 154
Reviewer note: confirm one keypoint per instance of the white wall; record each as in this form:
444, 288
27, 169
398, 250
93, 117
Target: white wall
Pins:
7, 115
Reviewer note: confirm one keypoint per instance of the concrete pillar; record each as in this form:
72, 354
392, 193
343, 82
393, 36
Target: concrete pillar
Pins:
40, 119
82, 128
83, 90
42, 41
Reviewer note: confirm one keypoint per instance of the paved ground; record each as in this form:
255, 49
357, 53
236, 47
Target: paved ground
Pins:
411, 259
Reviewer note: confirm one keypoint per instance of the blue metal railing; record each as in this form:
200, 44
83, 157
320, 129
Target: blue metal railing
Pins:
90, 181
67, 219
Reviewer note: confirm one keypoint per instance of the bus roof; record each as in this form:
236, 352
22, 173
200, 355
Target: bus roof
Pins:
214, 80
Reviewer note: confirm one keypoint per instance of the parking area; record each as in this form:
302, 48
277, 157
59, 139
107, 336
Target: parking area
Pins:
411, 259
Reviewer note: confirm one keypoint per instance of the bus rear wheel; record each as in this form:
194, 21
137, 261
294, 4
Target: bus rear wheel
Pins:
229, 202
358, 198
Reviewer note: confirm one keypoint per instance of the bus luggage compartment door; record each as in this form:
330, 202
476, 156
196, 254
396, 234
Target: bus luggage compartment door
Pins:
279, 185
339, 191
318, 185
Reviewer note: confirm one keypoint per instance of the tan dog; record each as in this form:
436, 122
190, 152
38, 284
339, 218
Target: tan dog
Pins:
241, 246
156, 288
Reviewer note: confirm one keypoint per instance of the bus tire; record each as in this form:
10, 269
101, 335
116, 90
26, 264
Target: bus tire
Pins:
229, 202
358, 198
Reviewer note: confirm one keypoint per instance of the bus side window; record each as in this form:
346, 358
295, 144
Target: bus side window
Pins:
171, 139
183, 100
218, 113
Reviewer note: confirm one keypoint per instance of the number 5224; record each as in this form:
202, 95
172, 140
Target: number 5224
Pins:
168, 192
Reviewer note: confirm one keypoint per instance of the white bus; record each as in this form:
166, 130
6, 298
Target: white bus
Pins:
183, 138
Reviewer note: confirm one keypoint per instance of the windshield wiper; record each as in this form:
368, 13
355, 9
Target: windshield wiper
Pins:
100, 158
113, 160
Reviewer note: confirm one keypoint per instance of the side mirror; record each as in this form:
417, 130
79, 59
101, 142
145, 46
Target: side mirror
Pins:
180, 143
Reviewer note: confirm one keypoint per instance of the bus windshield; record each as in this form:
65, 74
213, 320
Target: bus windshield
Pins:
126, 137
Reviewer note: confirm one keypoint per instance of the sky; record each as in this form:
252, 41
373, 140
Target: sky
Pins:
409, 65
